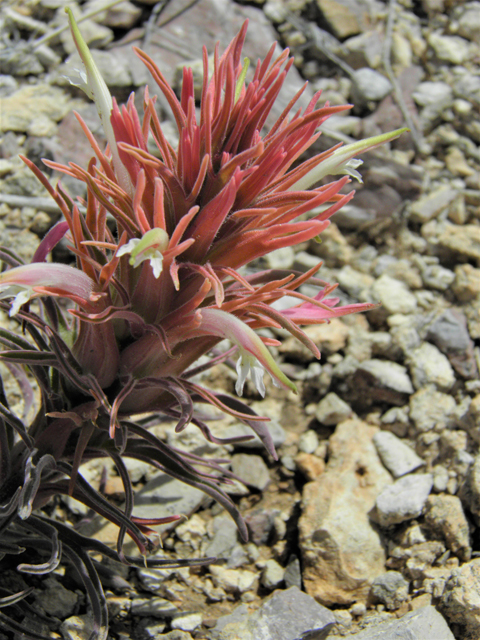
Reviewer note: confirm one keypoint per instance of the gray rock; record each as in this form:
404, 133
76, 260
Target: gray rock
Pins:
381, 381
391, 589
77, 627
224, 537
235, 581
423, 624
369, 84
308, 441
154, 607
404, 499
121, 16
430, 206
293, 573
341, 551
187, 621
286, 615
453, 49
397, 456
175, 634
272, 575
428, 366
22, 109
430, 408
251, 470
461, 602
149, 629
393, 295
331, 410
436, 277
435, 98
153, 579
56, 600
469, 22
449, 333
163, 496
112, 64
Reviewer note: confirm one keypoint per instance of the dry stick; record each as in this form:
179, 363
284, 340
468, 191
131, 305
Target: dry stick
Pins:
36, 202
57, 32
387, 49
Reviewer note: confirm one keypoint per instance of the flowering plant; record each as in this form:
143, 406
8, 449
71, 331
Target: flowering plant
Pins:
146, 300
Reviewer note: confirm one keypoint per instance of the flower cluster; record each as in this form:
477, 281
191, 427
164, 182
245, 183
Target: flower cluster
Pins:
120, 331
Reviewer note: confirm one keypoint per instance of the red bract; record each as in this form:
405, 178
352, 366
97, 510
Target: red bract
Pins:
150, 297
223, 198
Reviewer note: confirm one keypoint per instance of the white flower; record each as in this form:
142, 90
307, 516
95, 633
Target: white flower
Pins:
22, 295
149, 247
248, 365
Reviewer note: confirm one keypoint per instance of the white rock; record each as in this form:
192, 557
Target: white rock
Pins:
397, 456
404, 499
453, 49
394, 295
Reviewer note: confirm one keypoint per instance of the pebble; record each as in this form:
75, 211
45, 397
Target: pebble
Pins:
289, 614
461, 600
453, 49
308, 441
77, 627
272, 575
155, 607
233, 580
428, 366
332, 410
391, 589
56, 600
382, 381
397, 456
425, 623
40, 103
403, 500
431, 409
431, 205
187, 621
393, 295
293, 573
445, 515
251, 469
462, 240
149, 629
369, 84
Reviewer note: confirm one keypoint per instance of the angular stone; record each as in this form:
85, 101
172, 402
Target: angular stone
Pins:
342, 552
272, 575
251, 469
453, 49
286, 615
232, 580
461, 239
341, 16
397, 456
391, 589
394, 295
445, 515
428, 366
423, 624
381, 381
30, 102
461, 599
331, 410
404, 499
430, 408
156, 607
431, 205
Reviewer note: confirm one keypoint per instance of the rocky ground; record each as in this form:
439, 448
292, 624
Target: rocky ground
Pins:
368, 526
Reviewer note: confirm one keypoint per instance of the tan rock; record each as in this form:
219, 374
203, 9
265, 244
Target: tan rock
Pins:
342, 551
340, 16
461, 600
309, 465
462, 239
467, 282
445, 514
32, 102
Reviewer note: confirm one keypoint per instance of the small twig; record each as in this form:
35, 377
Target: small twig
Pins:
36, 202
387, 49
53, 34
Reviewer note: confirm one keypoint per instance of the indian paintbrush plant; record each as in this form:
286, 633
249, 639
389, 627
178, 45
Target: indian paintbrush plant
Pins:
118, 332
